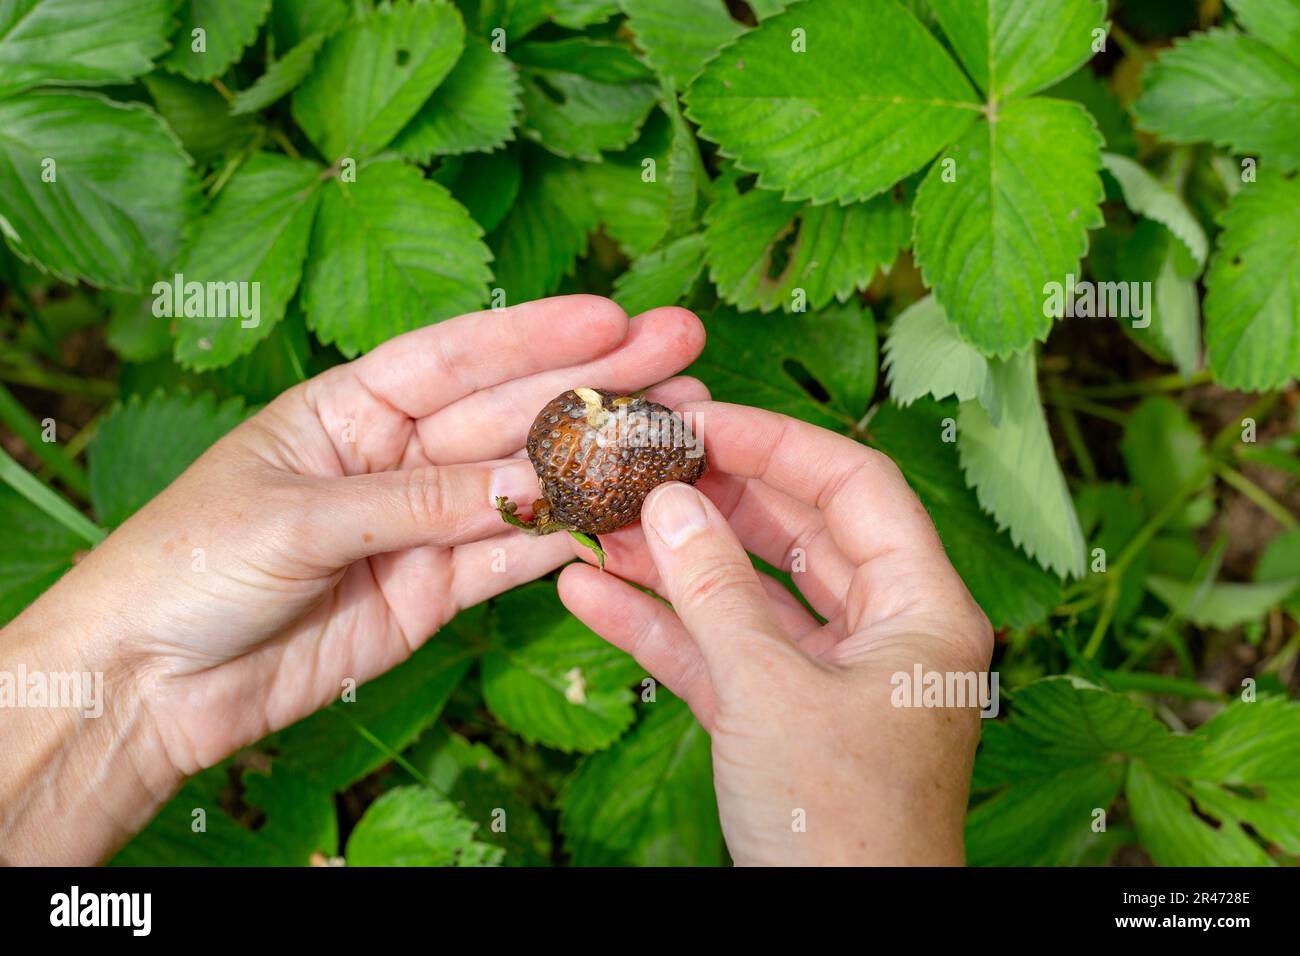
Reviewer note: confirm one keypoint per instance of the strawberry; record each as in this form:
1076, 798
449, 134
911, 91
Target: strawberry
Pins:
597, 455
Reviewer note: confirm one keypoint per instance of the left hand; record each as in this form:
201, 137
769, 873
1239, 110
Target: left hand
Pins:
325, 538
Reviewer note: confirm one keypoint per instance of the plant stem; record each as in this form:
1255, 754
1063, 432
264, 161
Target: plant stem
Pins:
34, 376
1147, 386
48, 500
1074, 438
30, 433
1059, 398
1258, 495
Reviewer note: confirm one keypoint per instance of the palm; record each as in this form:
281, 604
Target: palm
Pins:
277, 621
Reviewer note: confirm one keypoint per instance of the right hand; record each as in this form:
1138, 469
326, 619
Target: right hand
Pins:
800, 712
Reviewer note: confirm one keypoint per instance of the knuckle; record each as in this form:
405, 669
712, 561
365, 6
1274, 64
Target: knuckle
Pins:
426, 497
710, 581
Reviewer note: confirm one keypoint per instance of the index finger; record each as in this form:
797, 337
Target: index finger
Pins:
426, 369
870, 509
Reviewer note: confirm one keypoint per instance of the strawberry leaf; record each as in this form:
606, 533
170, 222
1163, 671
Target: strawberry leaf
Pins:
227, 26
1015, 50
373, 75
256, 232
1252, 302
1013, 217
550, 679
90, 42
473, 111
1012, 466
122, 191
128, 465
648, 800
815, 130
390, 253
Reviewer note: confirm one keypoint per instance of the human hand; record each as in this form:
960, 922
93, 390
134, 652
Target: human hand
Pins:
325, 538
800, 712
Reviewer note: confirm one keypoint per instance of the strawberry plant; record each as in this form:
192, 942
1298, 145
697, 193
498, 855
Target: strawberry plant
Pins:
1046, 256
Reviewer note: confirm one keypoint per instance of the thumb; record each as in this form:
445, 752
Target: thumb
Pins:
709, 579
363, 515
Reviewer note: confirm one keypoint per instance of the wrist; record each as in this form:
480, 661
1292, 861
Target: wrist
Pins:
82, 766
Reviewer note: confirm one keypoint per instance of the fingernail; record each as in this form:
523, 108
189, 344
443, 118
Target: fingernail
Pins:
676, 514
516, 481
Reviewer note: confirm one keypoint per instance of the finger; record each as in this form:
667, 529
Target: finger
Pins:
642, 626
628, 557
494, 422
711, 583
484, 569
785, 533
429, 368
874, 517
351, 518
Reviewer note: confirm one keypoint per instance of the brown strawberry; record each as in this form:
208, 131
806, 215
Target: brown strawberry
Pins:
597, 455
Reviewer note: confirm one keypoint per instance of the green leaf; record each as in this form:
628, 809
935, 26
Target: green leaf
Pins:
90, 42
193, 829
1147, 196
687, 177
197, 115
1058, 757
516, 17
228, 26
817, 130
662, 277
632, 206
1279, 561
1222, 605
1012, 466
412, 826
648, 800
1113, 119
924, 355
1276, 22
134, 332
281, 77
576, 14
279, 362
473, 111
394, 707
536, 245
1163, 450
1252, 755
762, 250
485, 185
35, 551
1014, 49
779, 363
256, 232
677, 37
1016, 218
373, 75
293, 21
390, 253
1175, 835
128, 462
1226, 88
1252, 302
123, 191
582, 97
552, 680
1011, 589
478, 783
